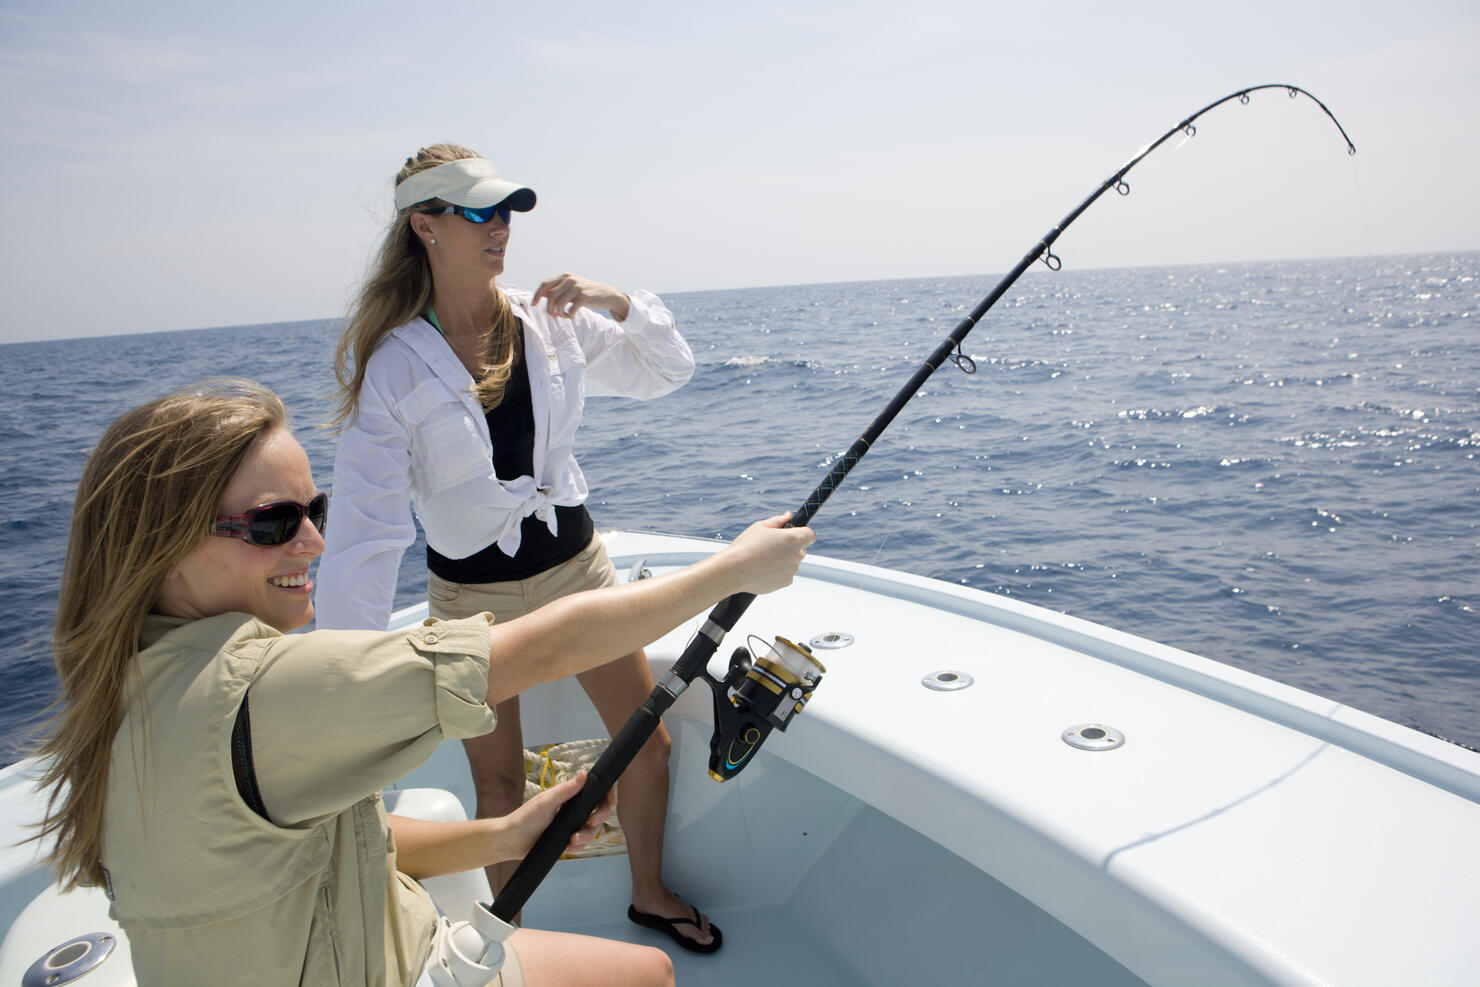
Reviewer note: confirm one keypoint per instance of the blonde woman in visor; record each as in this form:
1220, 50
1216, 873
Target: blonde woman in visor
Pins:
221, 778
461, 398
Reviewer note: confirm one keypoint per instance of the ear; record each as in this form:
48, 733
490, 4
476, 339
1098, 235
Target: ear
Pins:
421, 225
168, 598
172, 579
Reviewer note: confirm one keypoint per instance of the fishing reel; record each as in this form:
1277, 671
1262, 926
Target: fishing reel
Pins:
758, 693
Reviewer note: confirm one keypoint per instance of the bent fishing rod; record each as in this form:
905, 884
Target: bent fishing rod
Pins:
758, 695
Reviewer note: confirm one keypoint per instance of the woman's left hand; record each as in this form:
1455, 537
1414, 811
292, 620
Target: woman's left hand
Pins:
566, 294
529, 820
431, 849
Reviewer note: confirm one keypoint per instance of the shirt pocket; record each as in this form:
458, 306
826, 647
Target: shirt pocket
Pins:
446, 445
565, 387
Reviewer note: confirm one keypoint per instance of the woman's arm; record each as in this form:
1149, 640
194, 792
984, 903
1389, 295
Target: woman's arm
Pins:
370, 524
338, 714
637, 353
588, 629
431, 849
567, 294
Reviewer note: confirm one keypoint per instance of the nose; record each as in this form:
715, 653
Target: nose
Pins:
308, 542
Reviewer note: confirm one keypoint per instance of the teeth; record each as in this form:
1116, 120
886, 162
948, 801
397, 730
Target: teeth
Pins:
289, 581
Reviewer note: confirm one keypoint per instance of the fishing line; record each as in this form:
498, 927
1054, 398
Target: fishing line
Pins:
635, 732
858, 589
1362, 208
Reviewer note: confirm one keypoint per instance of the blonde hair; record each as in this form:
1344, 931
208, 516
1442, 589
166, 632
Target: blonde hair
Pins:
399, 288
148, 495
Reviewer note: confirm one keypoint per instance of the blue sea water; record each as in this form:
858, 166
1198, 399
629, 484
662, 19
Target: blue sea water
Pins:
1272, 464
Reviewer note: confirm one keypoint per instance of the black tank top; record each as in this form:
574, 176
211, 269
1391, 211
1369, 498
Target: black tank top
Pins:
511, 426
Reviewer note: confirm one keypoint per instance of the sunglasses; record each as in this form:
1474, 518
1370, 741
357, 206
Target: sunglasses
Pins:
502, 209
273, 524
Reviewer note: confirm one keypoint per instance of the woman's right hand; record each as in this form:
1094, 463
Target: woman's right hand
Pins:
768, 553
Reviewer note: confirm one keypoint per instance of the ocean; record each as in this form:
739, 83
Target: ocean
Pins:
1269, 464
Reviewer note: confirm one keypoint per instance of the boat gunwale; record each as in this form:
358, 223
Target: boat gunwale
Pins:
1433, 760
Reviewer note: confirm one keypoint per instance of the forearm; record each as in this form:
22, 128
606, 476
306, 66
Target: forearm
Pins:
431, 849
646, 358
619, 306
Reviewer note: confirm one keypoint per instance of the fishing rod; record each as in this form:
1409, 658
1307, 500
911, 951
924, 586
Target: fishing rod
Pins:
760, 694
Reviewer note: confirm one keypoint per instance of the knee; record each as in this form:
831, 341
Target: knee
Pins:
655, 753
658, 967
498, 793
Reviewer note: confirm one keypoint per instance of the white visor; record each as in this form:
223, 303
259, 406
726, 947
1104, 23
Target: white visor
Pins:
471, 182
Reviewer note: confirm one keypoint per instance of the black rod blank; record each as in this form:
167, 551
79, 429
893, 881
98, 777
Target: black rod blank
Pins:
635, 732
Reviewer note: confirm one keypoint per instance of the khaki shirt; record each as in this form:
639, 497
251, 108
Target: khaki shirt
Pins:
210, 892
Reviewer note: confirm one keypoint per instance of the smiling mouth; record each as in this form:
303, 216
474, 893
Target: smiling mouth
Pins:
290, 582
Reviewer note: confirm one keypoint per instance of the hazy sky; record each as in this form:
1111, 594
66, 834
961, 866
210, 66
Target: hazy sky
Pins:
171, 165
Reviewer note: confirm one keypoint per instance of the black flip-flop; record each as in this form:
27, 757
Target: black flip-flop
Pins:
670, 927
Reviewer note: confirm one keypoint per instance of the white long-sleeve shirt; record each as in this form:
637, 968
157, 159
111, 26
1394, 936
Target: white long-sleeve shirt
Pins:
421, 439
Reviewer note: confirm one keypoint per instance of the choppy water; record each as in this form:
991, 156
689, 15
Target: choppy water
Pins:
1273, 465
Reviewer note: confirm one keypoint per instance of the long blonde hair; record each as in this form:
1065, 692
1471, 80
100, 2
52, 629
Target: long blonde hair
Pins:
147, 497
399, 288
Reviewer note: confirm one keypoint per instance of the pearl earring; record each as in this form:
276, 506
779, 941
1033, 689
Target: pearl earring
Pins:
433, 242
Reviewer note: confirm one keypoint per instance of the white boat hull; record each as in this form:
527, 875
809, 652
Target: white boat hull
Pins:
1244, 833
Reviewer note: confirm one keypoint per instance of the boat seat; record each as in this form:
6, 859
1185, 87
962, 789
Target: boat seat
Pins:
453, 894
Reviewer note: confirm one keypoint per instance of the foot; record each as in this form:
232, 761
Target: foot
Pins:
684, 923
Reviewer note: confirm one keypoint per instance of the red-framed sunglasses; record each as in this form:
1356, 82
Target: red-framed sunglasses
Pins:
273, 524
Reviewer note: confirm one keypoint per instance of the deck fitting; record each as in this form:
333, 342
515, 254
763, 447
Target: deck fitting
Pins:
947, 681
1093, 737
70, 961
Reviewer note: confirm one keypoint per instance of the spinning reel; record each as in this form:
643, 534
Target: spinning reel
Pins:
757, 694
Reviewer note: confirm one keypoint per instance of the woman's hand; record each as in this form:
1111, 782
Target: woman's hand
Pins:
566, 294
769, 553
527, 822
430, 849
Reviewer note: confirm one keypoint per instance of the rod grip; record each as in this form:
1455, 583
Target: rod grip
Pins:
573, 814
727, 611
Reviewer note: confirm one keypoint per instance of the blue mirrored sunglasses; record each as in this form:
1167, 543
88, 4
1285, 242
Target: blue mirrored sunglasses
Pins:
502, 209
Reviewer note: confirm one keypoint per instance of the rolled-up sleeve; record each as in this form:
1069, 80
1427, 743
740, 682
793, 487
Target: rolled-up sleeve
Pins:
336, 715
644, 356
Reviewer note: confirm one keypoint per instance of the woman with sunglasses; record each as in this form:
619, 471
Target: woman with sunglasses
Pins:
463, 398
220, 778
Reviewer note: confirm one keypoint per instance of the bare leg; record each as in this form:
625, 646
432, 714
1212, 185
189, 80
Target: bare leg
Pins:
617, 689
497, 763
559, 959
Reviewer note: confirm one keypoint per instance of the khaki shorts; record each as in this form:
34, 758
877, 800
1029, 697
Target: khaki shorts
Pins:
591, 569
